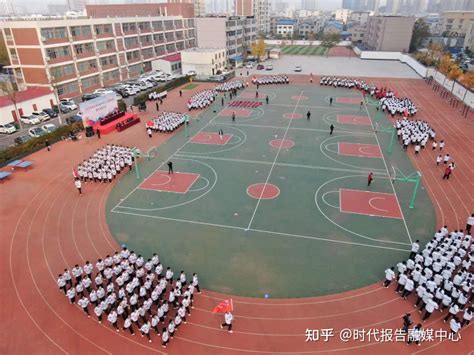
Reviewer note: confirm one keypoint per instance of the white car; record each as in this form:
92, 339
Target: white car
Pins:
298, 68
69, 103
31, 120
7, 128
103, 91
269, 67
37, 132
249, 65
49, 127
191, 73
43, 116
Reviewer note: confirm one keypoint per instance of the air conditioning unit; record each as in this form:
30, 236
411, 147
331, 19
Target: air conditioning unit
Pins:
43, 39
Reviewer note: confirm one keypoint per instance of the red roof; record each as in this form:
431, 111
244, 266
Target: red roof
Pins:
172, 57
28, 94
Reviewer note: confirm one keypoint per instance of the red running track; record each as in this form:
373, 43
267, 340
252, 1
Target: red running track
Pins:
47, 226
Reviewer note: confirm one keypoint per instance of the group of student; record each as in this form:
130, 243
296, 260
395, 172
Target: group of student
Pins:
167, 122
271, 79
401, 106
105, 164
132, 292
440, 276
339, 82
202, 99
233, 86
416, 133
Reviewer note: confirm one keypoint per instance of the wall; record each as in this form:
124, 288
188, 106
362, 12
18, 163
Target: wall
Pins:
27, 107
211, 32
380, 55
162, 65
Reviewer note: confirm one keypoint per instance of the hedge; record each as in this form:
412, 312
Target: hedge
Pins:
35, 144
138, 99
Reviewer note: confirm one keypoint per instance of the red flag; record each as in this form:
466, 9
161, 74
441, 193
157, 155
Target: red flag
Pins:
224, 306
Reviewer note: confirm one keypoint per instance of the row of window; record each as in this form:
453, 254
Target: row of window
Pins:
70, 69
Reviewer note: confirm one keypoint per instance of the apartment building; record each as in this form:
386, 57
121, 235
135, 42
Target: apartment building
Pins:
310, 26
459, 23
286, 28
389, 33
204, 61
234, 33
79, 55
260, 9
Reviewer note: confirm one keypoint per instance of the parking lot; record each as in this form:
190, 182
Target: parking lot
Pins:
7, 140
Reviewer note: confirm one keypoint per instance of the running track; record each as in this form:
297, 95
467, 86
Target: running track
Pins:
46, 226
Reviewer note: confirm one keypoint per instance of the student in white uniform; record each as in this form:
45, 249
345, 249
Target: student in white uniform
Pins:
228, 318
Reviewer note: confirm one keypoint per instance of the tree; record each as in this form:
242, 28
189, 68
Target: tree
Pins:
454, 72
259, 48
311, 38
421, 30
4, 59
468, 79
445, 64
330, 40
11, 92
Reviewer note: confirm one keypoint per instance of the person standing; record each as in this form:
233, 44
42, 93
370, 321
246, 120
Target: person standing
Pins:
267, 99
84, 302
389, 276
149, 132
308, 115
112, 318
469, 224
221, 133
370, 178
331, 129
441, 145
330, 101
157, 106
256, 94
414, 249
233, 116
447, 173
170, 167
48, 145
180, 93
78, 185
222, 101
406, 322
228, 318
415, 335
439, 158
62, 283
98, 133
165, 338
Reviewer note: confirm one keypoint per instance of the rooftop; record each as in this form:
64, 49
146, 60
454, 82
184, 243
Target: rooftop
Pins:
25, 95
203, 50
172, 57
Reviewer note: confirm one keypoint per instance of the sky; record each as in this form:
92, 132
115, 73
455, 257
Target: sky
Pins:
36, 5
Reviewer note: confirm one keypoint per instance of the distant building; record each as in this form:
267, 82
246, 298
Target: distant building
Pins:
286, 28
309, 4
342, 15
360, 17
260, 9
185, 10
235, 34
459, 24
171, 64
333, 27
204, 61
357, 33
306, 27
389, 33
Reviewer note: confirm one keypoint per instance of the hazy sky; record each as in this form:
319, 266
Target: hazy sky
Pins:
36, 5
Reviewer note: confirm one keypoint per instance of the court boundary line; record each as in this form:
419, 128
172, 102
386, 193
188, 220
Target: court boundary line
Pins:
276, 158
196, 176
314, 167
366, 214
387, 170
293, 235
359, 150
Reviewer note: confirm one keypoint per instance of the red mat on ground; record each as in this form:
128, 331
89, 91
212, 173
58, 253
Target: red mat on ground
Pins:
238, 113
210, 138
369, 203
359, 150
350, 119
348, 100
162, 181
109, 127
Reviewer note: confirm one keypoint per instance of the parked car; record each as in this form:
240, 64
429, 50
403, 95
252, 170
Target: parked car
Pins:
87, 97
298, 68
191, 73
69, 103
22, 139
260, 67
49, 127
43, 116
37, 132
269, 67
64, 108
50, 112
30, 120
249, 65
7, 128
103, 91
73, 119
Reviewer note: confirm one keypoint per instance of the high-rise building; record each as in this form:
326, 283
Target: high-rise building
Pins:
309, 4
76, 5
389, 33
260, 9
6, 7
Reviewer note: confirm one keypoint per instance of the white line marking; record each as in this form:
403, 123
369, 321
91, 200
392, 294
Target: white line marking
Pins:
376, 208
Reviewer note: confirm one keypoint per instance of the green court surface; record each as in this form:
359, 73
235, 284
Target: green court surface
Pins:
190, 86
303, 50
316, 228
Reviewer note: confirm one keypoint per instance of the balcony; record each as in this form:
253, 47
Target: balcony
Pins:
47, 41
130, 32
85, 55
107, 51
132, 46
57, 60
82, 38
109, 66
105, 35
88, 72
133, 60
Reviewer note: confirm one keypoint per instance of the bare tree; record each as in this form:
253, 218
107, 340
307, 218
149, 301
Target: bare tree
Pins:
10, 91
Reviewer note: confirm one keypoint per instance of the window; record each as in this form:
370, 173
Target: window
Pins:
88, 82
58, 52
144, 26
54, 33
111, 75
133, 55
105, 46
60, 72
86, 65
64, 89
131, 41
78, 31
157, 25
108, 60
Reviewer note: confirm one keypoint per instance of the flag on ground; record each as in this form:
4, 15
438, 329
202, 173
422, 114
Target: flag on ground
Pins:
224, 306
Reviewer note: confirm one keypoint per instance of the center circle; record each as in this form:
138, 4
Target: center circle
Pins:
282, 143
299, 98
263, 191
292, 116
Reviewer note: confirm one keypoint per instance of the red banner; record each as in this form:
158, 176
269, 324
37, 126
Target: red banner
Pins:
224, 306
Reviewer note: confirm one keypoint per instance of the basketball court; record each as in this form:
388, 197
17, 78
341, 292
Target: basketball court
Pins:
276, 196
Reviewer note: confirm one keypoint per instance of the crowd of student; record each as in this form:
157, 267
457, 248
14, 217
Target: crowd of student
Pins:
230, 86
132, 293
271, 79
167, 122
416, 133
105, 164
202, 99
440, 276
